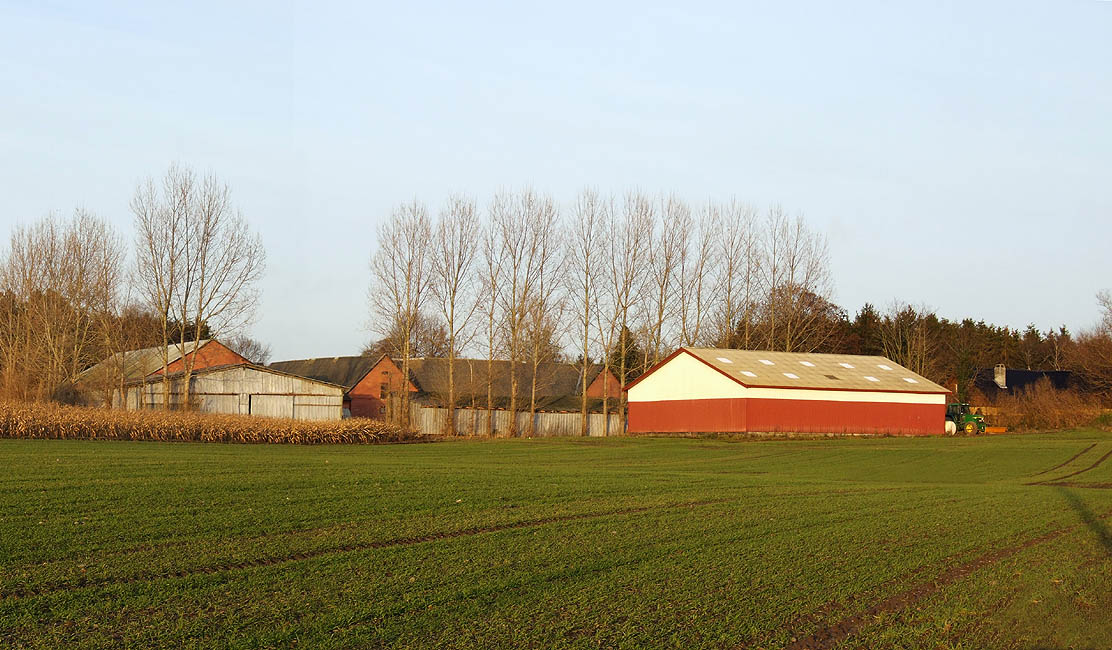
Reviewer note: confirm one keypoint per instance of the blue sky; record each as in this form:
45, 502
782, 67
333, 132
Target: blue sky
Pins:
958, 154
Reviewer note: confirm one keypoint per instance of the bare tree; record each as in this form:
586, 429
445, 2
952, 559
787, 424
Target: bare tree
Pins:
798, 286
400, 281
738, 257
161, 225
624, 281
427, 338
542, 311
1091, 354
665, 256
251, 349
905, 337
589, 216
491, 283
695, 287
223, 261
61, 280
524, 224
455, 247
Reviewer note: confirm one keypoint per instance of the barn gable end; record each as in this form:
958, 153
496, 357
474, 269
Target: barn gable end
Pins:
684, 377
211, 353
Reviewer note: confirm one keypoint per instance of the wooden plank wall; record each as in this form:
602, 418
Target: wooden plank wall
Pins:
430, 420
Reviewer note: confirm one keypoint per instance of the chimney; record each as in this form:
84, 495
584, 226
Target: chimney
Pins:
1000, 375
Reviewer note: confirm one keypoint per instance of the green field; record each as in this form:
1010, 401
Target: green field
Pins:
910, 543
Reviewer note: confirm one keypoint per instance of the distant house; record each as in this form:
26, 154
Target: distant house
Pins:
993, 383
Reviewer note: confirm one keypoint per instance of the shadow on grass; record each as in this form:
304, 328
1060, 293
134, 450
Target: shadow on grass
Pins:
1099, 528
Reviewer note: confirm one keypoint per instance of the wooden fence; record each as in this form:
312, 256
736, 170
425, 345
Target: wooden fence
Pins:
430, 420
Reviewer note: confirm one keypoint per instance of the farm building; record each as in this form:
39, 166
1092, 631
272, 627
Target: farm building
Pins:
369, 382
559, 392
698, 390
243, 388
97, 384
221, 381
366, 380
993, 383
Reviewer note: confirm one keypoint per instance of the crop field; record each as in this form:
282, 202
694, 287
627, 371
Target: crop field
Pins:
997, 542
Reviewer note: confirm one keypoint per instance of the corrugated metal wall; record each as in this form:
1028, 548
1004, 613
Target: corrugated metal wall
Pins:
247, 390
430, 420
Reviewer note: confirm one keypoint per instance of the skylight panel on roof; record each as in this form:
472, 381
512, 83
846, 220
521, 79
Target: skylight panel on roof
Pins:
807, 363
910, 380
767, 362
883, 367
748, 374
846, 365
871, 378
723, 359
791, 375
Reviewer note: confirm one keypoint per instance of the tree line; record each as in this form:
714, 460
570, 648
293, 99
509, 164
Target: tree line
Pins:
72, 293
621, 281
624, 281
614, 280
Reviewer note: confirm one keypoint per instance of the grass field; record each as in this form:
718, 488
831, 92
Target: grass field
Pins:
999, 542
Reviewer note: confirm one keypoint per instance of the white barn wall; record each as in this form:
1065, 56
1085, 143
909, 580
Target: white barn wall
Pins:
685, 377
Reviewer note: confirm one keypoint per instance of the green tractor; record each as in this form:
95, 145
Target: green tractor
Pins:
964, 419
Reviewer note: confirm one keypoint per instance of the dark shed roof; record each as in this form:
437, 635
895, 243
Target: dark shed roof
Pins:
554, 380
1019, 380
342, 371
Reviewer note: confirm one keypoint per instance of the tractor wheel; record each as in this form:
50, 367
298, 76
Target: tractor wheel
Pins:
971, 428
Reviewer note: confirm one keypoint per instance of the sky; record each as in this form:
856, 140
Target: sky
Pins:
957, 154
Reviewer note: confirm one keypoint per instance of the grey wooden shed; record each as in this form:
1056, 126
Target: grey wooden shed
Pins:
244, 389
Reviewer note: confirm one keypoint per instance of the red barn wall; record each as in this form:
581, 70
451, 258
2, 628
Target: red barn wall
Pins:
213, 353
367, 399
604, 382
817, 416
688, 416
785, 416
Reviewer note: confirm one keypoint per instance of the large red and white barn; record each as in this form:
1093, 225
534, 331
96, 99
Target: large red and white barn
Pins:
706, 390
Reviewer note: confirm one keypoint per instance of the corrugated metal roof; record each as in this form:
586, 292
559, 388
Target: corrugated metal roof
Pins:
154, 379
136, 364
760, 369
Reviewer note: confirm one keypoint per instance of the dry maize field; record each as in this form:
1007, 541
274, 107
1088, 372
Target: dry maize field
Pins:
53, 421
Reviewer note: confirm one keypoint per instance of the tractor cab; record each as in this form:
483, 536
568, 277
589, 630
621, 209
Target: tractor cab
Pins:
965, 419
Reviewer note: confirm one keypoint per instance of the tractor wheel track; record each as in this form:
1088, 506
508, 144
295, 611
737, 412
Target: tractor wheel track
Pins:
829, 637
1072, 458
1095, 465
273, 560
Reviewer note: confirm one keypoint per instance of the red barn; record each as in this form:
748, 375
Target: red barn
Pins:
705, 390
367, 381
